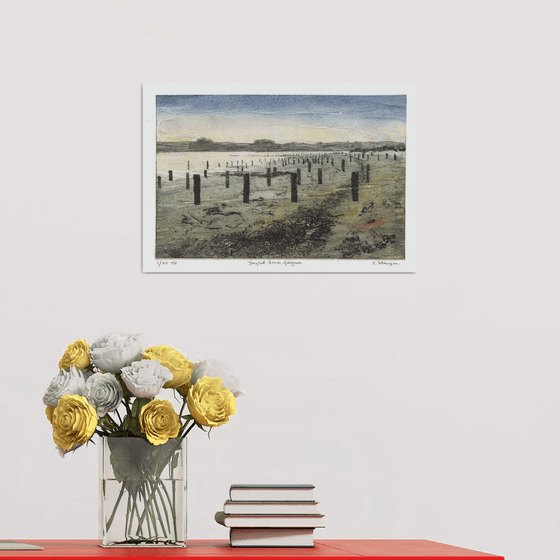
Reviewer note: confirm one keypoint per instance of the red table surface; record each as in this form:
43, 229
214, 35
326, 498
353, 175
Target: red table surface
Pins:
328, 549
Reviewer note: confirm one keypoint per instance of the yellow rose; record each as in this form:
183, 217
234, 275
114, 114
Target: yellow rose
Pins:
49, 412
73, 420
159, 421
174, 361
210, 403
76, 354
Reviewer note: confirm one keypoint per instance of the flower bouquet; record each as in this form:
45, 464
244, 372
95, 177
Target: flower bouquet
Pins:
108, 388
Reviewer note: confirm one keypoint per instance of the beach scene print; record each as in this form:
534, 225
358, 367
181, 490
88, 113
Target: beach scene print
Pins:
280, 177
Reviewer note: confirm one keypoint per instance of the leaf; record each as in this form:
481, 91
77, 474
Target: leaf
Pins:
131, 426
126, 393
187, 417
138, 404
106, 423
135, 459
175, 461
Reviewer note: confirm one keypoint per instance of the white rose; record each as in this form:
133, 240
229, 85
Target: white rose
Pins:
145, 378
215, 368
112, 352
68, 382
103, 392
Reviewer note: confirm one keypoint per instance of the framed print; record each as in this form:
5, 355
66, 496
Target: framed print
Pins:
278, 178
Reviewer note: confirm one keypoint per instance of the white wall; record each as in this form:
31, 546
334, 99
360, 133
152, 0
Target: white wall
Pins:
421, 406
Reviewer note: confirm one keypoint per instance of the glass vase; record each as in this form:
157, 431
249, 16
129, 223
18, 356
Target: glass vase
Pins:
142, 492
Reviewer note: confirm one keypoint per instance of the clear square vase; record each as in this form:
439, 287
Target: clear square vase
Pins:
142, 493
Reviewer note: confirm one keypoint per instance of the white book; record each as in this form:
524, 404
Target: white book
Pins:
294, 537
11, 545
299, 521
271, 492
260, 508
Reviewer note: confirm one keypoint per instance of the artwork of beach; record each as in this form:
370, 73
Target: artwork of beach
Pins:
280, 177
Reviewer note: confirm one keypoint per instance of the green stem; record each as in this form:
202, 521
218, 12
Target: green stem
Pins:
110, 522
157, 483
127, 405
140, 531
144, 515
183, 435
148, 509
183, 406
127, 529
158, 511
171, 506
173, 510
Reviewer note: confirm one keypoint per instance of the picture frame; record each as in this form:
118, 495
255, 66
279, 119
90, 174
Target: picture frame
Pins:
278, 178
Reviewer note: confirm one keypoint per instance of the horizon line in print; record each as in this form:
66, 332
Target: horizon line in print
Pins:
265, 182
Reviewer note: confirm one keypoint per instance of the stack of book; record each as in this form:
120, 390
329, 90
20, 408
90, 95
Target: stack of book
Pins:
282, 515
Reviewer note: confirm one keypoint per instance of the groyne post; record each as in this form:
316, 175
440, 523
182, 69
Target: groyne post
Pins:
246, 187
196, 189
227, 179
294, 181
188, 180
355, 186
159, 182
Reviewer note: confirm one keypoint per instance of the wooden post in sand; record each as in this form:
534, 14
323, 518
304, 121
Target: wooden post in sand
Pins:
188, 180
309, 167
367, 173
320, 176
227, 179
395, 155
355, 186
170, 175
205, 173
294, 181
246, 187
196, 189
274, 170
268, 176
343, 165
159, 182
298, 176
